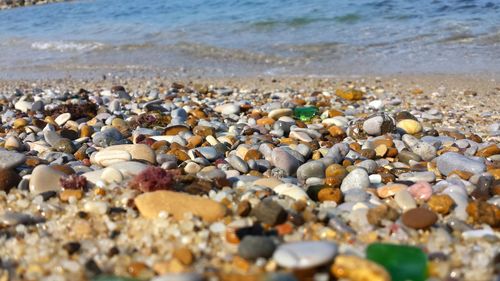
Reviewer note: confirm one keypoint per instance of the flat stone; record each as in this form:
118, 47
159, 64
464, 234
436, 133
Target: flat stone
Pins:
269, 212
418, 176
238, 163
451, 161
303, 255
419, 218
311, 169
357, 178
178, 204
291, 190
124, 152
409, 126
253, 247
44, 178
280, 112
267, 182
62, 118
390, 190
405, 200
10, 159
16, 218
284, 160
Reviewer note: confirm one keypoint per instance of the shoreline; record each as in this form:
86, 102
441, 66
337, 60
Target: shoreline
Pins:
12, 4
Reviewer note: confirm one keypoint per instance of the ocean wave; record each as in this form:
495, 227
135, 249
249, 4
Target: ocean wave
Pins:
66, 46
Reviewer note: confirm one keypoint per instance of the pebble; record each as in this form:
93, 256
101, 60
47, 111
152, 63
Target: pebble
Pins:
269, 212
304, 255
44, 178
280, 112
311, 169
421, 190
8, 179
418, 176
178, 204
238, 163
357, 178
291, 190
450, 161
285, 160
253, 247
358, 269
440, 203
378, 125
10, 159
419, 218
409, 126
405, 200
125, 152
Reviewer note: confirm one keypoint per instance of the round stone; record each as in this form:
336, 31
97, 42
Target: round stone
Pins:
451, 161
419, 218
307, 254
421, 190
277, 113
357, 178
44, 178
330, 194
62, 118
253, 247
8, 179
409, 126
311, 169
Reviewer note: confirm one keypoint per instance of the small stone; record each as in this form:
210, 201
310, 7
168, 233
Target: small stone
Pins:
405, 200
253, 247
184, 255
350, 94
291, 190
44, 178
419, 218
269, 212
379, 213
8, 179
401, 261
284, 160
390, 190
65, 145
421, 190
71, 247
19, 123
244, 208
440, 203
238, 163
336, 170
311, 169
488, 151
111, 174
125, 152
67, 193
330, 194
306, 254
409, 126
305, 113
357, 178
228, 109
177, 204
378, 125
280, 112
451, 161
10, 159
62, 118
357, 269
484, 212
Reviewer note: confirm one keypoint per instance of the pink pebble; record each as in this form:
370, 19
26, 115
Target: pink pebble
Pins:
421, 190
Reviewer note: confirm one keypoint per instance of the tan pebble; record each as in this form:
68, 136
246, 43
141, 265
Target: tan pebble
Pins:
495, 173
252, 154
136, 268
440, 203
265, 121
267, 182
13, 143
66, 194
110, 175
336, 170
195, 141
178, 204
86, 131
410, 126
381, 150
184, 255
175, 130
244, 208
336, 131
280, 112
19, 123
125, 152
462, 174
390, 190
358, 269
349, 94
386, 142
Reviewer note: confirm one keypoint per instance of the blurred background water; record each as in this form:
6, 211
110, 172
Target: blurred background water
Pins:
234, 37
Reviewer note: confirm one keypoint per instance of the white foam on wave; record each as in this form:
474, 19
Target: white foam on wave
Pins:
66, 46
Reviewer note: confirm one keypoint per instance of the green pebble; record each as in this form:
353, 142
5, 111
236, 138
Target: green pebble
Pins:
402, 262
305, 113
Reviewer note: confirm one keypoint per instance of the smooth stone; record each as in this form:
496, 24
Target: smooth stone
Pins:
111, 174
378, 125
356, 195
306, 254
357, 178
419, 218
267, 182
291, 190
311, 169
405, 156
44, 178
369, 165
10, 159
127, 169
62, 118
421, 190
192, 168
404, 200
353, 268
253, 247
51, 137
186, 276
23, 106
450, 161
238, 163
269, 212
8, 179
418, 176
285, 160
425, 150
16, 218
230, 108
409, 126
401, 261
125, 152
301, 136
280, 112
209, 152
178, 204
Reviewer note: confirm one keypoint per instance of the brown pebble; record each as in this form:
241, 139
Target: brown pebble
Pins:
184, 255
484, 212
379, 213
330, 194
419, 218
440, 203
63, 168
244, 208
8, 179
488, 151
67, 193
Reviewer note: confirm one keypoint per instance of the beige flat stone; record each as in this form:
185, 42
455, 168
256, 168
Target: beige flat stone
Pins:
44, 178
268, 182
178, 204
124, 152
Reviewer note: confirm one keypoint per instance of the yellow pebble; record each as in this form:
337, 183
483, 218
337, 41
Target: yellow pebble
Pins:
410, 126
358, 269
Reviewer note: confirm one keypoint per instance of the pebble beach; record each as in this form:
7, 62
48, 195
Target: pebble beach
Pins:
261, 178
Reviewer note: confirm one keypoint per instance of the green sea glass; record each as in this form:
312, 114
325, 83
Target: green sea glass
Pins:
402, 262
305, 113
113, 278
